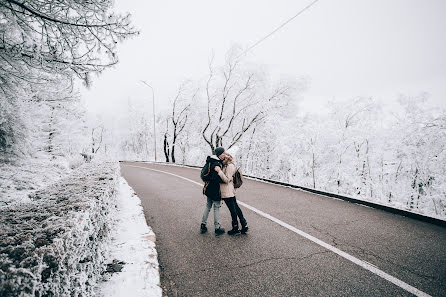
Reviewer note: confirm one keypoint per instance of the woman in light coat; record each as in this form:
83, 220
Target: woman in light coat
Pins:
228, 195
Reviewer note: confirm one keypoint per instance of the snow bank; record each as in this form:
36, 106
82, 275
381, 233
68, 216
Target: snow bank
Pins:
54, 244
133, 243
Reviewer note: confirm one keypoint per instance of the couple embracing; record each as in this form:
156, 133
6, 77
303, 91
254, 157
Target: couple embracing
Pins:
220, 186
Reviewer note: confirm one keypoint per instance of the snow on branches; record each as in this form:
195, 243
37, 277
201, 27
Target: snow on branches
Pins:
55, 36
238, 98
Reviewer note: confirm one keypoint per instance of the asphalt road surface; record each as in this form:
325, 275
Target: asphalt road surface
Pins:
298, 244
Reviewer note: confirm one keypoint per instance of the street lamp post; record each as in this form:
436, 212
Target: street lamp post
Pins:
153, 102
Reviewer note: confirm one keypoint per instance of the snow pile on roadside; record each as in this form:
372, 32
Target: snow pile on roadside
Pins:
133, 243
54, 244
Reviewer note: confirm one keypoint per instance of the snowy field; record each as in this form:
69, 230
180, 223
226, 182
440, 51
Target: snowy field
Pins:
133, 243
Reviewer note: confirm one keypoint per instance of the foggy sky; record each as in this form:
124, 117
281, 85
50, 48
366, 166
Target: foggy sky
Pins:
346, 48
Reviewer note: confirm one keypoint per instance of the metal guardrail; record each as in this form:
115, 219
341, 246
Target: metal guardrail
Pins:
405, 213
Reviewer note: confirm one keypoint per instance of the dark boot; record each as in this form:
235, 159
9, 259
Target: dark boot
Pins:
234, 231
219, 231
244, 229
203, 228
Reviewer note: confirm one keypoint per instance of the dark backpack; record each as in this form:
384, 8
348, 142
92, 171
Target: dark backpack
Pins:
238, 179
206, 172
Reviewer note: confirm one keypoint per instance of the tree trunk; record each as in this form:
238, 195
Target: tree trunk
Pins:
313, 168
173, 146
248, 155
166, 148
173, 153
51, 131
414, 189
92, 141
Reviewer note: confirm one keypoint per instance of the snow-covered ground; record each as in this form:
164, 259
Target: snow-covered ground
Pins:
25, 176
133, 242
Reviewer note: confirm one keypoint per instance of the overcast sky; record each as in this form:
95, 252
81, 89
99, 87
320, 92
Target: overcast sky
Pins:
347, 48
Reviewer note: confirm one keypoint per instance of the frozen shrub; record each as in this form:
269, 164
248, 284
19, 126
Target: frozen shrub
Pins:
54, 245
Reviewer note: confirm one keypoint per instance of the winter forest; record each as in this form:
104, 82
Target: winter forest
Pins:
362, 148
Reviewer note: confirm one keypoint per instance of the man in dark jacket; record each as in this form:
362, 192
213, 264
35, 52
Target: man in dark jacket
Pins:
212, 192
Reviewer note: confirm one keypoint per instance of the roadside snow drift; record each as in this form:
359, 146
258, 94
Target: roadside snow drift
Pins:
133, 244
54, 245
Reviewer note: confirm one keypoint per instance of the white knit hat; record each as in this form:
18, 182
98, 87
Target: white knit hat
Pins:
232, 151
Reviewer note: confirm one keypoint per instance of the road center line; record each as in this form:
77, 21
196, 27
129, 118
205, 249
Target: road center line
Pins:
337, 251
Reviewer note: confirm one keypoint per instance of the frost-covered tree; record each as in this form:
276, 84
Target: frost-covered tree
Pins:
419, 170
50, 36
58, 118
354, 122
266, 151
43, 118
178, 119
238, 96
136, 141
14, 125
193, 148
44, 44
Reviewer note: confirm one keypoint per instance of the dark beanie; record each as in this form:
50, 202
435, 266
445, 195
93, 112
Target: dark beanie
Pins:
219, 150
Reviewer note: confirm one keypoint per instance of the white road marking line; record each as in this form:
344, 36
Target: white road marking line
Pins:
189, 180
370, 267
